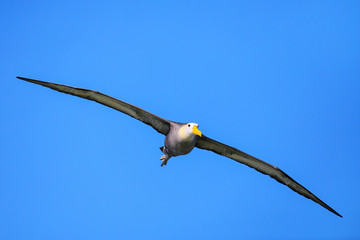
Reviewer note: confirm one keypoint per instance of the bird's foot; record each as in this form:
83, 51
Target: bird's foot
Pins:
164, 159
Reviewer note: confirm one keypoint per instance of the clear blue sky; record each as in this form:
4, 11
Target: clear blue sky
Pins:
276, 79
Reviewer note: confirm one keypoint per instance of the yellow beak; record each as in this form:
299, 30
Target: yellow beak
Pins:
196, 131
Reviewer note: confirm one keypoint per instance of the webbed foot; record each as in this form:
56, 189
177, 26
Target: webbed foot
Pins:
164, 159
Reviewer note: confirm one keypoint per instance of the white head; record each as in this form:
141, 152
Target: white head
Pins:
190, 130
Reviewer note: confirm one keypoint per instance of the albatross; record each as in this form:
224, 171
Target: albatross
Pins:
181, 138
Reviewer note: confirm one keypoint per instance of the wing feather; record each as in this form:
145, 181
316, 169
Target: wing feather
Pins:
259, 165
159, 124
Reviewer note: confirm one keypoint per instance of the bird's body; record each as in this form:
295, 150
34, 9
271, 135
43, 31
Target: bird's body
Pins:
181, 138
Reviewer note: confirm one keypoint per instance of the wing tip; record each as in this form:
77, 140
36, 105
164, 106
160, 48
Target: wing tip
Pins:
26, 79
336, 213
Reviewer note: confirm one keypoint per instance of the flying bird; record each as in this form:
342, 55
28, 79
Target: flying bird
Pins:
181, 138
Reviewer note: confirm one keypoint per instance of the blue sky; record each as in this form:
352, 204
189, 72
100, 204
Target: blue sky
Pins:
276, 79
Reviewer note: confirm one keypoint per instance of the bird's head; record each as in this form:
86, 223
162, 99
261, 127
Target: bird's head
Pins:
191, 129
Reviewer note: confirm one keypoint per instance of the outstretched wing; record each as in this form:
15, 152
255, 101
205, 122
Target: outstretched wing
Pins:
259, 165
159, 124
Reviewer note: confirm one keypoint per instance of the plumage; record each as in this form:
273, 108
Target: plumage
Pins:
181, 138
259, 165
159, 124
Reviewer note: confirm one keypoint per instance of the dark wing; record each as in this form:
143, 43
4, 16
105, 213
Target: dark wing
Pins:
259, 165
159, 124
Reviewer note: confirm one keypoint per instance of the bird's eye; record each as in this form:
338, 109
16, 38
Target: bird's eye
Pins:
188, 125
